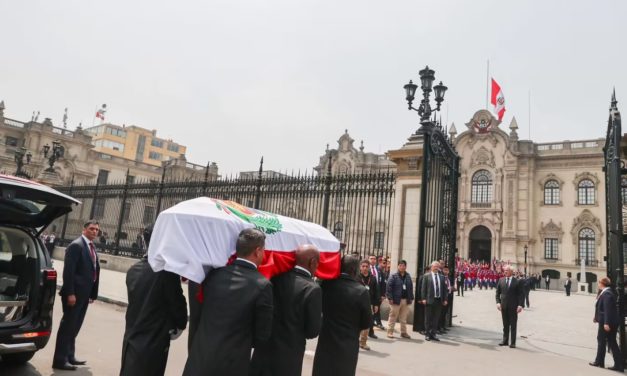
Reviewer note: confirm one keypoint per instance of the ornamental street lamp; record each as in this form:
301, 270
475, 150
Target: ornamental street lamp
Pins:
19, 161
525, 259
426, 85
57, 153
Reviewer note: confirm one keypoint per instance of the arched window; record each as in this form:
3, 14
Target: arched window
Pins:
586, 246
338, 230
481, 188
552, 193
585, 192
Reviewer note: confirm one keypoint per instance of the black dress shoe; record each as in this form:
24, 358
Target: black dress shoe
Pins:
66, 367
76, 362
373, 336
503, 343
434, 338
512, 346
615, 368
595, 364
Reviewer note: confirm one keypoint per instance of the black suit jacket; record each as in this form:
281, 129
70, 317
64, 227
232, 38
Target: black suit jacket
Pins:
156, 305
510, 297
345, 312
236, 315
297, 317
605, 311
78, 271
427, 288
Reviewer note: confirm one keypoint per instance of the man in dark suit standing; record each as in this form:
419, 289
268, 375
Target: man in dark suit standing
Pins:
297, 317
509, 300
606, 315
236, 313
434, 296
156, 314
460, 283
378, 276
345, 312
567, 285
81, 274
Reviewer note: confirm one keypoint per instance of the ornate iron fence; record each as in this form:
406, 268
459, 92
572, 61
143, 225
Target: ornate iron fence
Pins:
357, 208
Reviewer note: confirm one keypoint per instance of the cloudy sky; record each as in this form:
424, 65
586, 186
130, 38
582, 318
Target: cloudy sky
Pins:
235, 80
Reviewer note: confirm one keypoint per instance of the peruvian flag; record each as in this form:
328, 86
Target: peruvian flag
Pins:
196, 235
498, 100
100, 114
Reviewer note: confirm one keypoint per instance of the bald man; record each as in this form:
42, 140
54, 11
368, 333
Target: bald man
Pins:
297, 317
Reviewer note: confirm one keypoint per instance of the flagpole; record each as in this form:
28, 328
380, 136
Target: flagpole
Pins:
487, 84
529, 110
93, 122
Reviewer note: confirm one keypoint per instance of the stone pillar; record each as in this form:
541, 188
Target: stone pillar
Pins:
407, 203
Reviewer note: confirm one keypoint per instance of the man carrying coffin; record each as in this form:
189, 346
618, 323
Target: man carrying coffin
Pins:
156, 314
236, 313
297, 317
345, 312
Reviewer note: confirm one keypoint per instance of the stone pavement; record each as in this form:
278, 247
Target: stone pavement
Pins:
556, 337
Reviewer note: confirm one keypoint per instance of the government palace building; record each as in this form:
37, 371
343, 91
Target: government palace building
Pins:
517, 196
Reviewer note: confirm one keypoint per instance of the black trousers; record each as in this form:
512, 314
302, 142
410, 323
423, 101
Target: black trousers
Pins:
69, 327
527, 297
432, 317
510, 321
608, 338
419, 317
376, 317
567, 290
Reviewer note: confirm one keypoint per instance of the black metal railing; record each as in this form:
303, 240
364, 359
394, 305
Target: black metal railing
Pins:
357, 208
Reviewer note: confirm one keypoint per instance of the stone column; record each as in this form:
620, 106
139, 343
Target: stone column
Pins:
407, 203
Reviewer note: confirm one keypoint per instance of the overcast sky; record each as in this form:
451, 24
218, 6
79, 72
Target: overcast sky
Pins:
235, 80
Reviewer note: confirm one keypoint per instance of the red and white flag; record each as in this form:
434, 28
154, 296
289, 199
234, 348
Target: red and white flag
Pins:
498, 100
100, 114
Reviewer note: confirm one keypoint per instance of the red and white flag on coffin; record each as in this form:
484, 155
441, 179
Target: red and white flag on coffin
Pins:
498, 100
196, 235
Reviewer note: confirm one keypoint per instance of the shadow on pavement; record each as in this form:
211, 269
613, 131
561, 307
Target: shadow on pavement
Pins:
18, 370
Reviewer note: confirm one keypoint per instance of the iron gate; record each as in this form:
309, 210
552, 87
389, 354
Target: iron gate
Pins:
615, 174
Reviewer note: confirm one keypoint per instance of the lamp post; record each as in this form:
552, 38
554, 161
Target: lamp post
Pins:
19, 161
427, 76
54, 156
525, 260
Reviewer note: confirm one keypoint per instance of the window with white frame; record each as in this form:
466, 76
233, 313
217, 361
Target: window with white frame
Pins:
585, 192
481, 187
551, 193
550, 248
586, 245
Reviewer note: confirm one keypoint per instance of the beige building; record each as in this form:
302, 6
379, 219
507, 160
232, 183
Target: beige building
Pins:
549, 197
134, 143
85, 162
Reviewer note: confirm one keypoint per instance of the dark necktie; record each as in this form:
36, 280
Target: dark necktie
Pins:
437, 286
92, 253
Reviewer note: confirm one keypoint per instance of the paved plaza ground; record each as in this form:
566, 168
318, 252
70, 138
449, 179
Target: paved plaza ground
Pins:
556, 337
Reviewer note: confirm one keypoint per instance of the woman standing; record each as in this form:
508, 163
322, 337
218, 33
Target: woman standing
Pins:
606, 315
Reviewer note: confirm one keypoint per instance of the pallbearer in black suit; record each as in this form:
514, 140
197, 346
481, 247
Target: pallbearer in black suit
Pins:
156, 314
509, 300
606, 315
81, 274
236, 313
297, 317
434, 296
345, 312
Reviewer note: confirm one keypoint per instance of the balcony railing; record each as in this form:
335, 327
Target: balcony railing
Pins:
480, 204
589, 262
